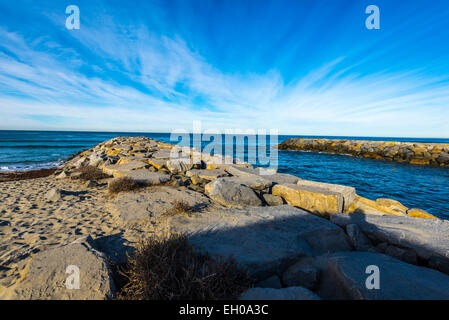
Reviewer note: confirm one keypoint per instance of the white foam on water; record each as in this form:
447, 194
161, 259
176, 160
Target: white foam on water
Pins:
34, 166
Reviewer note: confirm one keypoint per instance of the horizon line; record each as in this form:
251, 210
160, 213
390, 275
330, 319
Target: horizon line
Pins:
286, 134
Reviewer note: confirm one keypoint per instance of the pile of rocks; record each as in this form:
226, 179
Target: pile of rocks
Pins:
298, 239
436, 154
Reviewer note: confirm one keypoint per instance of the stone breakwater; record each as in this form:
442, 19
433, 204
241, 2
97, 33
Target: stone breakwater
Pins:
298, 239
435, 154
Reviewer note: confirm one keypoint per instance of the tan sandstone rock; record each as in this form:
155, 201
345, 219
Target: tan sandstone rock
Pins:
392, 204
311, 198
348, 193
367, 206
418, 213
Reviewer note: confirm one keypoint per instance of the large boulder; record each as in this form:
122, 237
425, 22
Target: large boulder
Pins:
303, 273
96, 158
255, 182
367, 206
392, 205
291, 293
347, 193
164, 154
265, 240
122, 170
205, 174
158, 163
272, 200
232, 193
177, 166
147, 177
426, 237
135, 207
311, 198
358, 239
48, 275
345, 276
274, 177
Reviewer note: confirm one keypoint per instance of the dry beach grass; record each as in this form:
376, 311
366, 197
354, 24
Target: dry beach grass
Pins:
168, 268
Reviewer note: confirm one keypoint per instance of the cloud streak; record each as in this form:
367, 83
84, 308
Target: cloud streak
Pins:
111, 78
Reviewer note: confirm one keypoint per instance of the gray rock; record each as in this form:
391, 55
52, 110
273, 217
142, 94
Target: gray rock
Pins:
211, 174
281, 178
255, 182
405, 255
426, 237
439, 264
115, 247
304, 273
148, 177
164, 154
381, 247
53, 195
265, 240
81, 162
46, 274
271, 282
397, 280
291, 293
134, 207
443, 158
95, 159
275, 178
177, 166
358, 238
230, 193
272, 200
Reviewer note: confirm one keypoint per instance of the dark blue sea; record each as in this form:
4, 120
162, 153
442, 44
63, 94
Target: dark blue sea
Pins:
415, 186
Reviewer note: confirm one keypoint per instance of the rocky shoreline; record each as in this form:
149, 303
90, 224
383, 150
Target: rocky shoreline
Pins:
297, 239
435, 154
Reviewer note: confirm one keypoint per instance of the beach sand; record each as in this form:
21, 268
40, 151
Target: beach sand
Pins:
30, 224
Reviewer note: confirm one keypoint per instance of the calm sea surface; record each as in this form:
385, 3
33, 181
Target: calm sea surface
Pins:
415, 186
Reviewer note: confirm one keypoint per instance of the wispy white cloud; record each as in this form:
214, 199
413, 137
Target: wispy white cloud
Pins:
161, 83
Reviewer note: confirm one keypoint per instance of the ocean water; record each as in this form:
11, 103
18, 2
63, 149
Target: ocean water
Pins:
421, 187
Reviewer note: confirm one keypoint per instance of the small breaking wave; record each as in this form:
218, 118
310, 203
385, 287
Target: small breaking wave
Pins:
27, 167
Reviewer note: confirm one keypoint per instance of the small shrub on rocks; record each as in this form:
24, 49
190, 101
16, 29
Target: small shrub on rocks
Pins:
91, 173
168, 268
179, 208
123, 184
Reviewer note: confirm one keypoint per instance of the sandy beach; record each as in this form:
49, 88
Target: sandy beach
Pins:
29, 223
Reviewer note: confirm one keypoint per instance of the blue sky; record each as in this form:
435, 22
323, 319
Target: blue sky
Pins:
302, 67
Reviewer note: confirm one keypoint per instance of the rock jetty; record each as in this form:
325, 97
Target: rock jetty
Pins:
435, 154
297, 239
